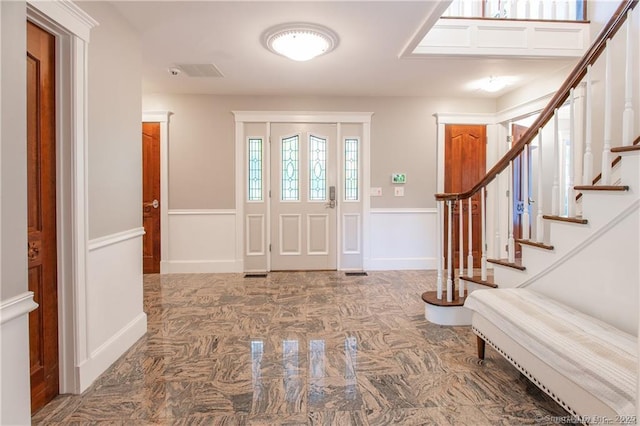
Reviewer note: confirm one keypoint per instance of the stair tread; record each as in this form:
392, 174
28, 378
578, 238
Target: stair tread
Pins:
478, 280
535, 244
601, 187
431, 297
566, 219
626, 148
505, 262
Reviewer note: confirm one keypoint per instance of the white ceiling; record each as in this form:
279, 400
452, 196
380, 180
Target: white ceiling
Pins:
365, 63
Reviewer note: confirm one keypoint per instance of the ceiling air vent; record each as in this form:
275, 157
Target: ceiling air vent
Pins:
200, 70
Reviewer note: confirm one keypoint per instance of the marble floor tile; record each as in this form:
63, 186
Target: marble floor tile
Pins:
301, 348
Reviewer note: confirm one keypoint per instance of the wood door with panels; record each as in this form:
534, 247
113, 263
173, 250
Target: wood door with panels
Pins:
41, 215
465, 165
151, 197
519, 204
303, 185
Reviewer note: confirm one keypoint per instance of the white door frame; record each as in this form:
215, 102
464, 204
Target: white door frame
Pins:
72, 27
268, 117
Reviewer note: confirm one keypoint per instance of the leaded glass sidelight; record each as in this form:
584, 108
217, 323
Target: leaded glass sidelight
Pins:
290, 168
351, 169
317, 168
255, 169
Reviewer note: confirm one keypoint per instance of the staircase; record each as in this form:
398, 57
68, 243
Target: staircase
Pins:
583, 246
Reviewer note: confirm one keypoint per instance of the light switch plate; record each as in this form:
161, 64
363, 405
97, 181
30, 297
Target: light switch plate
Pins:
398, 191
376, 192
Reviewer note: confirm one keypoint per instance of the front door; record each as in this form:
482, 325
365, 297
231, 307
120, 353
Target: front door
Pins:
41, 211
303, 196
151, 197
464, 152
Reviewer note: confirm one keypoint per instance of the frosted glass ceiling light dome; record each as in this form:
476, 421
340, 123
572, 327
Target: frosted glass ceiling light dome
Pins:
300, 41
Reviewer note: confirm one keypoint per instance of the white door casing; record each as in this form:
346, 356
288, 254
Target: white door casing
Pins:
303, 218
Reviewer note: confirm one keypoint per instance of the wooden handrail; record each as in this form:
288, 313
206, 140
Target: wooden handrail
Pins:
572, 81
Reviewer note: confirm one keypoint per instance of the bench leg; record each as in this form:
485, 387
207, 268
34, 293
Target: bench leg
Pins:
481, 344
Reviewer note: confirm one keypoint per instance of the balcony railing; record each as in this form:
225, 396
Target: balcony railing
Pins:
547, 10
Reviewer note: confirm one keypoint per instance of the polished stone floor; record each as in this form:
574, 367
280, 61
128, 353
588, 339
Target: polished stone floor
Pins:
301, 348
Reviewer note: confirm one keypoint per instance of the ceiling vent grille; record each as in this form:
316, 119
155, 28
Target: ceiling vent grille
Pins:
200, 70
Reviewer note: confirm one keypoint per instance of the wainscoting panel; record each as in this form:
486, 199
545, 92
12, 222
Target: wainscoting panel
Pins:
14, 358
115, 315
255, 235
202, 241
403, 239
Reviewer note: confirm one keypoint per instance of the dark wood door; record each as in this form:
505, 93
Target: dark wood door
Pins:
465, 165
41, 211
151, 197
519, 204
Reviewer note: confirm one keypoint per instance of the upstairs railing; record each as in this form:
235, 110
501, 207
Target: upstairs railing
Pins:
570, 165
553, 10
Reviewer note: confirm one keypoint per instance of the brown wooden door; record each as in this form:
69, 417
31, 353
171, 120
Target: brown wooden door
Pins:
518, 203
464, 153
151, 197
41, 222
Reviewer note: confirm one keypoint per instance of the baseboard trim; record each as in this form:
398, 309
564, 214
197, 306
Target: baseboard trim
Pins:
391, 264
116, 238
17, 306
200, 266
110, 351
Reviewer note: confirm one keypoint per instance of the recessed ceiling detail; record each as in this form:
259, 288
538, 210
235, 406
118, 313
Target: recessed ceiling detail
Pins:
300, 41
200, 70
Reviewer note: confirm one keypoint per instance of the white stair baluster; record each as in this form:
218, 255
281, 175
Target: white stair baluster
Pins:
554, 10
513, 12
440, 249
541, 10
555, 189
470, 238
527, 10
450, 254
606, 149
526, 218
627, 116
539, 221
587, 173
571, 199
461, 237
511, 244
483, 217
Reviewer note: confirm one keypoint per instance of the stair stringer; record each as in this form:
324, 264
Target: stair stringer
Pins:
600, 276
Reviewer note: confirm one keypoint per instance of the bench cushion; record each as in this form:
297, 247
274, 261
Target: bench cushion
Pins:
595, 355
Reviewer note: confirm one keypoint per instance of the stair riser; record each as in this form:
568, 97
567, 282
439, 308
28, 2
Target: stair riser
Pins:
566, 235
471, 286
507, 277
630, 171
601, 206
535, 259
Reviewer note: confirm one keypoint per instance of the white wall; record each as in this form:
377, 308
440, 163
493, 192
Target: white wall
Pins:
115, 148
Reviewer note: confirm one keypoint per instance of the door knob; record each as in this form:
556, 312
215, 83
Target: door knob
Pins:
155, 204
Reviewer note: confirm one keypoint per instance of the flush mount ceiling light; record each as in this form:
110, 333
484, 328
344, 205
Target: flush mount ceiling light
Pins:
491, 84
300, 41
494, 84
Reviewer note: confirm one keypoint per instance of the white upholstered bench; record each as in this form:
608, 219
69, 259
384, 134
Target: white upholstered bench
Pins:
587, 366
